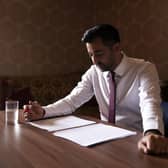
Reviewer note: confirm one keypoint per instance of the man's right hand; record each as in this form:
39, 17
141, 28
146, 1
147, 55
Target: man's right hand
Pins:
33, 111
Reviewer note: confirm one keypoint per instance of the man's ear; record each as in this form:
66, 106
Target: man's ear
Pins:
116, 47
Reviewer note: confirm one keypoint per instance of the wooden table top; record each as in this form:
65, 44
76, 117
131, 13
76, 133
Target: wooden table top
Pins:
24, 146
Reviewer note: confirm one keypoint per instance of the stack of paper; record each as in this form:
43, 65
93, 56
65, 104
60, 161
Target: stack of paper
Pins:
81, 131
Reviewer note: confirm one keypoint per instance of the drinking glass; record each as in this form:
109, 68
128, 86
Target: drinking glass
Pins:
11, 112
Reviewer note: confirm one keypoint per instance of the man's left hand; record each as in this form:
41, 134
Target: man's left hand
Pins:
153, 144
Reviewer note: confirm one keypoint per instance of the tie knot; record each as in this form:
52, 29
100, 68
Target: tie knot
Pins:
113, 75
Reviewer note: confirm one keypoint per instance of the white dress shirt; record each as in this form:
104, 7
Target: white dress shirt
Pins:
137, 95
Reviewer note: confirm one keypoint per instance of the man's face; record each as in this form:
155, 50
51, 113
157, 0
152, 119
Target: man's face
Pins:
105, 57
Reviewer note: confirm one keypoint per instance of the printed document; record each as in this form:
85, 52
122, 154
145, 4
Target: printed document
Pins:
93, 134
60, 123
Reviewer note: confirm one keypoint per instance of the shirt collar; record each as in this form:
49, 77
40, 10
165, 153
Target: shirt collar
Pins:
121, 69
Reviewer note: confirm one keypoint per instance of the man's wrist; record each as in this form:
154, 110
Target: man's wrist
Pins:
44, 112
152, 131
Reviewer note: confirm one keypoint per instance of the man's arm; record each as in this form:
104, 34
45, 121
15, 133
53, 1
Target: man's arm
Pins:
78, 96
151, 112
149, 93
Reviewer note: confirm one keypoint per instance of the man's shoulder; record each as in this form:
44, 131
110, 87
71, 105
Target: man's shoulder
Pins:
138, 61
141, 65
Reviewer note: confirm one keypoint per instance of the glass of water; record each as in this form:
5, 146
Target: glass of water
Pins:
11, 112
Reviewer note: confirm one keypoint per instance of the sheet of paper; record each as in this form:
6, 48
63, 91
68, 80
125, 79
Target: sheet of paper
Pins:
60, 123
93, 134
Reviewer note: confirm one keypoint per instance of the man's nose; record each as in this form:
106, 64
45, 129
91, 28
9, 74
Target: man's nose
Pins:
94, 59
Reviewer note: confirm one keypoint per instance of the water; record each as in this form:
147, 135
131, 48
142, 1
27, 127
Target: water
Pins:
11, 116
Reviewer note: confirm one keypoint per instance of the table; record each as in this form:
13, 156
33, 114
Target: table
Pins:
24, 146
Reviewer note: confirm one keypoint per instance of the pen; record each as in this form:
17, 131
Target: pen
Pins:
27, 108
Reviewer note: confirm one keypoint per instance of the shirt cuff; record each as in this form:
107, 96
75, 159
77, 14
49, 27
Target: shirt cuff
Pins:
153, 131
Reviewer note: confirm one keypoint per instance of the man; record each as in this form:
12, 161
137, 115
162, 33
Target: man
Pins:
137, 103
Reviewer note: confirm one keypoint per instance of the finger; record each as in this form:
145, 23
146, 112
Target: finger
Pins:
151, 143
155, 144
34, 102
142, 147
24, 106
30, 102
30, 114
27, 117
163, 146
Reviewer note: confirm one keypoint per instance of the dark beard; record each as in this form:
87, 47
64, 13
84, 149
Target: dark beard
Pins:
104, 67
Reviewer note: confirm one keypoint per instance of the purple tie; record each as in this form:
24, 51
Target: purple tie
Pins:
112, 100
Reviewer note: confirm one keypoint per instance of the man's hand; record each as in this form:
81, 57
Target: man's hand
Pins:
153, 144
33, 111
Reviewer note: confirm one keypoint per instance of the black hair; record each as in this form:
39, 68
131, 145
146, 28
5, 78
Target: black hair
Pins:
107, 33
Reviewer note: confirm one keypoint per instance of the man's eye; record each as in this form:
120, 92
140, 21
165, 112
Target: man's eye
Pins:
98, 54
90, 55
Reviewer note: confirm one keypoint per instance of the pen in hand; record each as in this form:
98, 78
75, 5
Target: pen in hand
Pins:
26, 111
33, 111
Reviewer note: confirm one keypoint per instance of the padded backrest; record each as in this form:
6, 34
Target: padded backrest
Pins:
164, 106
